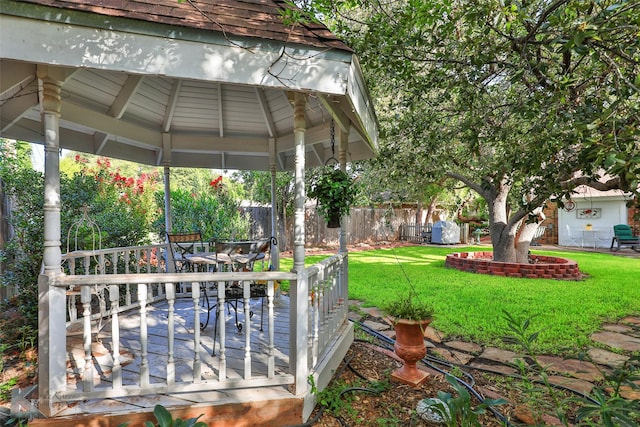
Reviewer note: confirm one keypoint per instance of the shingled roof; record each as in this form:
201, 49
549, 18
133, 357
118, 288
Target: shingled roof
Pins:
185, 84
246, 18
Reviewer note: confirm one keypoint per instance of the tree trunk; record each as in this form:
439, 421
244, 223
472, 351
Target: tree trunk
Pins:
431, 209
527, 231
502, 233
526, 234
503, 224
503, 244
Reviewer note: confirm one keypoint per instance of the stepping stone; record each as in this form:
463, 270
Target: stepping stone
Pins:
499, 355
500, 369
373, 311
525, 415
453, 356
356, 317
376, 326
489, 393
617, 340
616, 327
572, 383
389, 333
634, 320
469, 347
433, 335
606, 357
576, 368
630, 393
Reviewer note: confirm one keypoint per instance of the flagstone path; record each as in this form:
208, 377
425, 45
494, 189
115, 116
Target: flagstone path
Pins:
612, 346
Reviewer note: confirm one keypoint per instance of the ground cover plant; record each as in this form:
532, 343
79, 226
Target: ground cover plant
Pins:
470, 306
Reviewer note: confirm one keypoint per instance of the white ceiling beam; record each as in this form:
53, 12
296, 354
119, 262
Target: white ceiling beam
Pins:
99, 141
18, 104
319, 155
220, 106
125, 96
171, 106
190, 143
109, 125
333, 107
14, 76
266, 113
316, 133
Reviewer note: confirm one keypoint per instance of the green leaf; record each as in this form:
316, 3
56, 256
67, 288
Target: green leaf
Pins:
162, 416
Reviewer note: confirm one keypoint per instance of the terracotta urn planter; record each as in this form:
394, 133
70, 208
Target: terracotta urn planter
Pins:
410, 347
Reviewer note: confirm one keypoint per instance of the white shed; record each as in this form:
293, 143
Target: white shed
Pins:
588, 218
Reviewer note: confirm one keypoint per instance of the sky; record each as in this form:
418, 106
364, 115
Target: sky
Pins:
37, 156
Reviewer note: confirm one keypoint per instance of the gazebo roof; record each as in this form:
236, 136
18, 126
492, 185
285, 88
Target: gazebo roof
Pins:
196, 84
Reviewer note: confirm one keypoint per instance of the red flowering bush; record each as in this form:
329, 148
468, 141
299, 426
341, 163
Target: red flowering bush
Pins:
214, 213
123, 206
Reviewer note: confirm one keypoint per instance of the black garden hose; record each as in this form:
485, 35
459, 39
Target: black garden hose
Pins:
431, 359
337, 374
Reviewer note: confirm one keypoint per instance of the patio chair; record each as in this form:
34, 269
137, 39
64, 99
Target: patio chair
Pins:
578, 240
181, 245
623, 236
234, 293
537, 235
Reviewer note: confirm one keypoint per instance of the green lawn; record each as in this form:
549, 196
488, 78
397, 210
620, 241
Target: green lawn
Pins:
470, 306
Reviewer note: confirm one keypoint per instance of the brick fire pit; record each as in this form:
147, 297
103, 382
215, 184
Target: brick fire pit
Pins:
540, 267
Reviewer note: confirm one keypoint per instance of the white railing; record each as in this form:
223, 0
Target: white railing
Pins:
170, 383
116, 284
125, 260
328, 302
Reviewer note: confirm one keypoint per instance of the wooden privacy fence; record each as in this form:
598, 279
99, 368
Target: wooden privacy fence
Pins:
364, 225
422, 233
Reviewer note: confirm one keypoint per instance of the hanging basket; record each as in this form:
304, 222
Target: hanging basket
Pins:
334, 221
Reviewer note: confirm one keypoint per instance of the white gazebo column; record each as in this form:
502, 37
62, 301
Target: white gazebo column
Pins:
275, 251
342, 159
167, 200
51, 299
170, 266
299, 292
344, 223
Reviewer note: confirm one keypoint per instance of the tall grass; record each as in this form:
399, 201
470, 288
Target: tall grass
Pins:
471, 306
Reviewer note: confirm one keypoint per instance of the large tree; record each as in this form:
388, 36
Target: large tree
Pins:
520, 101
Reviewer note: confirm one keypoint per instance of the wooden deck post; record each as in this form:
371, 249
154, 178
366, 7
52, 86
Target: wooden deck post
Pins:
299, 290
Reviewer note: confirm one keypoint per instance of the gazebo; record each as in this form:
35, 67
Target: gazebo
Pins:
204, 84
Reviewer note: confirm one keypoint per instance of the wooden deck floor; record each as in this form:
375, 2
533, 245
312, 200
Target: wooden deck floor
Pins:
184, 356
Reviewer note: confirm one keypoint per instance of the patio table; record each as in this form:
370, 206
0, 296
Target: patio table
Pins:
591, 235
224, 261
234, 261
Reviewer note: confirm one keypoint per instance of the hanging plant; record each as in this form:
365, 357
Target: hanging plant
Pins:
335, 193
